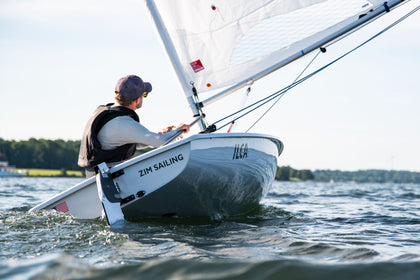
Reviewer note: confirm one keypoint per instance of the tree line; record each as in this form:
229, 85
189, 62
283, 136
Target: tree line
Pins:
368, 176
41, 153
286, 173
63, 155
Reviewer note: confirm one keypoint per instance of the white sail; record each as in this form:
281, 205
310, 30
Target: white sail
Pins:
229, 43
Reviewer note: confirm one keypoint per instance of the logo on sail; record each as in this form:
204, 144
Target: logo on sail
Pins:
197, 66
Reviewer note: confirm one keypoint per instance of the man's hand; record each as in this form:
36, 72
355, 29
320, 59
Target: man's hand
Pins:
164, 130
184, 127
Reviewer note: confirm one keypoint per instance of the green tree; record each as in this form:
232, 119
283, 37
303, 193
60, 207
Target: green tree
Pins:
283, 173
306, 175
286, 173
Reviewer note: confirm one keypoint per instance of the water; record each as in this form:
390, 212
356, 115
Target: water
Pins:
301, 231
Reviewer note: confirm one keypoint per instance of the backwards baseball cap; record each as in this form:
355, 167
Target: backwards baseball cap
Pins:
132, 87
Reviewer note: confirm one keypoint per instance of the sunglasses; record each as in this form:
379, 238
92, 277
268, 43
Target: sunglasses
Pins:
145, 94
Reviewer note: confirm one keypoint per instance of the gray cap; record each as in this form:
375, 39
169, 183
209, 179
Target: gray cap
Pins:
132, 87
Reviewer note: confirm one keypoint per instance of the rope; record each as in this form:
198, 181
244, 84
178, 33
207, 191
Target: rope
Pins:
275, 102
281, 92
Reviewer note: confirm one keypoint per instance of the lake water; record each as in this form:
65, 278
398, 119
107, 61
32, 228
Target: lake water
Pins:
304, 230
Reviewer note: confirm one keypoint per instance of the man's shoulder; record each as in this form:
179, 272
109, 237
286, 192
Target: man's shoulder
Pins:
122, 120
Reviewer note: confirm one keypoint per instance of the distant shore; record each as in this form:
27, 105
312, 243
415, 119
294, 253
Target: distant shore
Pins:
34, 172
284, 173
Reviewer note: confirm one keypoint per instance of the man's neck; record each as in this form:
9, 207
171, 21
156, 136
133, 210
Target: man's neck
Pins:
132, 106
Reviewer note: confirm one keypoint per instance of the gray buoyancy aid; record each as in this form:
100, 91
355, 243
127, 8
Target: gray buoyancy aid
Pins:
91, 152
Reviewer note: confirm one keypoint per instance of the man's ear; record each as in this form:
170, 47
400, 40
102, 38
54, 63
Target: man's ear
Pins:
136, 101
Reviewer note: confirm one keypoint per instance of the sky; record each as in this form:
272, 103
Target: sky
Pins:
60, 59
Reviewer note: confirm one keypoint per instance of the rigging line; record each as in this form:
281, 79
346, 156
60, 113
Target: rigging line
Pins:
281, 95
274, 95
277, 93
247, 107
270, 97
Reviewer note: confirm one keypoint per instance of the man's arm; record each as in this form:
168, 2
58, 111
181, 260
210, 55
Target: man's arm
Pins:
125, 130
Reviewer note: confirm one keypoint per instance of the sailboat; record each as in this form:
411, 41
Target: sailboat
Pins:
216, 48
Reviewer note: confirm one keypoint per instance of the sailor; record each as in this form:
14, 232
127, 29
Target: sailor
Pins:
114, 132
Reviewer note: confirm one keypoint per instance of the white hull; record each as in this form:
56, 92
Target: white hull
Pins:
203, 175
80, 201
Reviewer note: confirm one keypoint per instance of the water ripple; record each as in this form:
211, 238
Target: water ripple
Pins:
303, 222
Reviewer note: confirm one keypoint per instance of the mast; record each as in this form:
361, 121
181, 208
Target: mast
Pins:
171, 51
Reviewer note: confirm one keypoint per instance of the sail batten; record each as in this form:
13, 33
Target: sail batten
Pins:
231, 43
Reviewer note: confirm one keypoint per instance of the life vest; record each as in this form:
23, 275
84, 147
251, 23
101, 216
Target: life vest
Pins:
91, 152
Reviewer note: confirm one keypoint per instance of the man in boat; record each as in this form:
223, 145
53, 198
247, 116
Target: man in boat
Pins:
114, 132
